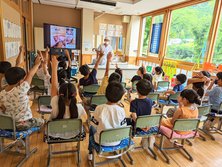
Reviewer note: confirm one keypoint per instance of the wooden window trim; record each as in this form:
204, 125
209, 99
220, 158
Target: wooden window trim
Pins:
168, 16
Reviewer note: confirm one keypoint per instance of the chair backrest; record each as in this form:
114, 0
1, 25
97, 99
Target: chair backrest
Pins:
204, 110
64, 126
186, 124
7, 123
174, 96
123, 84
92, 89
148, 121
38, 82
44, 100
115, 135
163, 85
154, 96
98, 99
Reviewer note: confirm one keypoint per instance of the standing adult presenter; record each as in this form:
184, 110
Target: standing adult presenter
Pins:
105, 48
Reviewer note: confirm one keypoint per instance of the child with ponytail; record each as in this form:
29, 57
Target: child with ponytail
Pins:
187, 108
64, 102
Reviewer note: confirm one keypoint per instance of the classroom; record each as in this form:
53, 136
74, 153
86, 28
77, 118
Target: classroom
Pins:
110, 83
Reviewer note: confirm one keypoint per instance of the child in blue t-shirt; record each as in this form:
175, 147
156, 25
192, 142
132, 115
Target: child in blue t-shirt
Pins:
142, 106
179, 87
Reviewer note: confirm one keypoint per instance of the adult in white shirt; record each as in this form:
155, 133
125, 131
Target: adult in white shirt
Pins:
105, 48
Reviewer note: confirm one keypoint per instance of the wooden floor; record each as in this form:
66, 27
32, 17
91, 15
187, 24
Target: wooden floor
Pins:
207, 154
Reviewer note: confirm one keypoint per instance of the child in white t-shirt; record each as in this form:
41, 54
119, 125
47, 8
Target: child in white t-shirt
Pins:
14, 99
108, 116
43, 72
158, 76
64, 102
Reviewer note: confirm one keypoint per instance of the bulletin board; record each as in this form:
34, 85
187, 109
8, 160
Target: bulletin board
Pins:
12, 31
110, 30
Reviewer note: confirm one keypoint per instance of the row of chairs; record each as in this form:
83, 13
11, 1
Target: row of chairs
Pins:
123, 134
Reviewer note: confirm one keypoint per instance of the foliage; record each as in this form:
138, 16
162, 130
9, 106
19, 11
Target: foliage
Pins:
190, 25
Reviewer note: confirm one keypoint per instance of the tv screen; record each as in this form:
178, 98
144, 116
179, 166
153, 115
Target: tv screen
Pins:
61, 37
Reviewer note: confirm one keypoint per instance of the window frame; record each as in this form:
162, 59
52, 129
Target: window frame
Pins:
167, 11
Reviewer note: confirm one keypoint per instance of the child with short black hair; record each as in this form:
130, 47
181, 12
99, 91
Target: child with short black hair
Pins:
89, 77
142, 106
149, 78
180, 80
4, 66
107, 116
14, 99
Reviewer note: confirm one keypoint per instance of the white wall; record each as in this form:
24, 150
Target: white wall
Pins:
132, 38
87, 30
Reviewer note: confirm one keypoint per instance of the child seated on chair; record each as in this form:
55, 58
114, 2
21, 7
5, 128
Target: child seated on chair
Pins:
158, 76
89, 76
107, 116
14, 98
215, 99
142, 106
64, 102
149, 78
5, 65
140, 72
187, 108
43, 72
63, 65
179, 87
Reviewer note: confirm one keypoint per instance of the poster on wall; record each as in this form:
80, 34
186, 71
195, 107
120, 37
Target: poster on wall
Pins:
11, 30
102, 29
155, 38
11, 49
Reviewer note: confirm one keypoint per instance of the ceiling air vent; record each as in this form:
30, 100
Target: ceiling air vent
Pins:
102, 2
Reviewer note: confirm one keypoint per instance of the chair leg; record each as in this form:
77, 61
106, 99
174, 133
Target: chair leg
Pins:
28, 153
49, 155
190, 157
78, 154
153, 153
122, 162
130, 158
207, 133
160, 147
189, 142
1, 144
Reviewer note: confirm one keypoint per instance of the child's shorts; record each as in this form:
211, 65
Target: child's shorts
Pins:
33, 122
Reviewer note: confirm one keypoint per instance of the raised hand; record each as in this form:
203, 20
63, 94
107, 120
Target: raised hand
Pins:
109, 56
21, 49
38, 60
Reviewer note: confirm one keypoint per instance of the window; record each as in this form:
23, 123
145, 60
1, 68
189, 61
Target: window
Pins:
189, 32
147, 21
217, 57
147, 27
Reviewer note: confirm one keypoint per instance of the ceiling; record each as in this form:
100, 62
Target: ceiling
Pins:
123, 7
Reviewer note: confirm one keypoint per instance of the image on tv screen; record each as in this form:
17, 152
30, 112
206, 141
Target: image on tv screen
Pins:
62, 37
